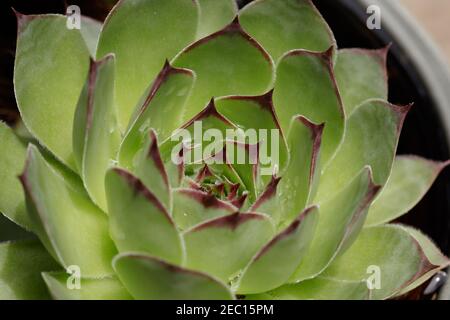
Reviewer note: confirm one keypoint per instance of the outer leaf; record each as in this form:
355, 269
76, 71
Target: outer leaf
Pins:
90, 31
192, 207
410, 179
375, 125
138, 220
69, 225
91, 289
161, 108
285, 25
241, 110
142, 34
361, 75
226, 62
432, 253
20, 266
299, 179
268, 202
341, 219
305, 85
223, 246
319, 288
393, 250
12, 160
277, 260
96, 136
215, 14
46, 83
150, 278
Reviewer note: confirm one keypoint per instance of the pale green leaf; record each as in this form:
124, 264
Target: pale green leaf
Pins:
90, 31
214, 15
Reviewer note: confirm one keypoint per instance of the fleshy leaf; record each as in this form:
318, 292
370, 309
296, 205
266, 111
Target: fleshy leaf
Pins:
226, 62
306, 86
192, 207
143, 34
341, 219
361, 75
12, 161
300, 177
433, 254
49, 73
160, 108
268, 202
389, 249
90, 31
96, 136
146, 277
319, 288
281, 26
224, 246
138, 220
150, 170
375, 125
21, 264
264, 128
214, 15
410, 179
69, 225
90, 289
277, 260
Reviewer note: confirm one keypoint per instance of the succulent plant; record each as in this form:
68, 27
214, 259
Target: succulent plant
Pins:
99, 187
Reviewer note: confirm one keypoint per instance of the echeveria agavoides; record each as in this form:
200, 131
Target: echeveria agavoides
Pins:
118, 193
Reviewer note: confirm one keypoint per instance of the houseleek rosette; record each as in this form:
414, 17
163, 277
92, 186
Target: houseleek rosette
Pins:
99, 188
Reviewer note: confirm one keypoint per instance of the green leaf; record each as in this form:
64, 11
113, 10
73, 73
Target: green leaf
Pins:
228, 62
12, 161
150, 278
138, 220
361, 75
319, 288
160, 108
21, 264
267, 202
95, 133
341, 219
305, 85
410, 179
192, 207
215, 14
375, 125
391, 249
224, 246
69, 225
277, 260
281, 26
143, 34
90, 31
433, 254
264, 128
49, 73
108, 288
299, 179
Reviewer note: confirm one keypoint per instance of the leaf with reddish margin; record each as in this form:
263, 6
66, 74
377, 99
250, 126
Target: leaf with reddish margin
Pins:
410, 179
192, 207
341, 219
224, 246
281, 26
214, 15
268, 202
305, 85
138, 220
300, 177
44, 76
148, 277
396, 253
361, 75
278, 259
226, 62
375, 125
143, 34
